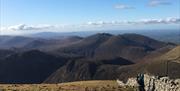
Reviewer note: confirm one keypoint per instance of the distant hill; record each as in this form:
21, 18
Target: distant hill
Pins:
172, 36
28, 43
7, 42
50, 44
106, 46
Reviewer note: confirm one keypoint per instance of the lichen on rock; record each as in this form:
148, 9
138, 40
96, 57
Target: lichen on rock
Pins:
154, 83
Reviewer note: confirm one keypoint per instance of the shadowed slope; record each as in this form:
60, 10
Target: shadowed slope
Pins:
28, 67
83, 69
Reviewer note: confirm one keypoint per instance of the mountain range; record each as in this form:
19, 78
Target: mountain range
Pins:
101, 56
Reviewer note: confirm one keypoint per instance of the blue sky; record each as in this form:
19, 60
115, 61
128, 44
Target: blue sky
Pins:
24, 13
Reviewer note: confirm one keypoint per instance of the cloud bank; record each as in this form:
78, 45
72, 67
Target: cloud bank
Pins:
161, 21
143, 21
88, 25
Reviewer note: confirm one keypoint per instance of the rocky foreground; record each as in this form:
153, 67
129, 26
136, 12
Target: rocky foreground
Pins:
153, 83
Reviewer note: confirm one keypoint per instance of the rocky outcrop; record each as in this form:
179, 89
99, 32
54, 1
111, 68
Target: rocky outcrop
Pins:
153, 83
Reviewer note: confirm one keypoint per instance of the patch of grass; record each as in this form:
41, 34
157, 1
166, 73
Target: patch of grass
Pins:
107, 85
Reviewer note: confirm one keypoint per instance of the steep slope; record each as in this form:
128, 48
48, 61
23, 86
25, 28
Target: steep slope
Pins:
174, 54
146, 41
167, 64
29, 67
83, 69
157, 53
73, 71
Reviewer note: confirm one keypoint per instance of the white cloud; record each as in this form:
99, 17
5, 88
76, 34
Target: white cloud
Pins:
30, 27
143, 21
123, 6
161, 21
154, 3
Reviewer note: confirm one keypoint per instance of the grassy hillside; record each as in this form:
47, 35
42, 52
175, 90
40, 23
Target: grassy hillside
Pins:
107, 85
167, 64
